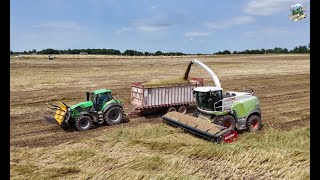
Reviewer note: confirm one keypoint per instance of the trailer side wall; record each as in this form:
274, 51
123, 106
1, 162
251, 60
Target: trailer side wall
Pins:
155, 97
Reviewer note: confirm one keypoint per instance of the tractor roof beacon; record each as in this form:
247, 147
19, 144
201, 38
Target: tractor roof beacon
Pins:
99, 107
231, 109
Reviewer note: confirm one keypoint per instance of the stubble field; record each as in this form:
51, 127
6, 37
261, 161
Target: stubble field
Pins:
144, 147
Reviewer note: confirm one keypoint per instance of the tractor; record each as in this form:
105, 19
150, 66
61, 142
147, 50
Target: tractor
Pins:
99, 107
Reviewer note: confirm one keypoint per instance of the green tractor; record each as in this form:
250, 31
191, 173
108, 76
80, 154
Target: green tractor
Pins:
99, 107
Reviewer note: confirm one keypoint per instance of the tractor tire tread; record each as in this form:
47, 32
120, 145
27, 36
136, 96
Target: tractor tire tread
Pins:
77, 125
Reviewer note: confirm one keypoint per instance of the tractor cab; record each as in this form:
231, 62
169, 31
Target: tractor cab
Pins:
208, 98
99, 98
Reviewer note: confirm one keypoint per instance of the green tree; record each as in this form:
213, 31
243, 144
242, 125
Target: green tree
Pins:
158, 53
277, 50
300, 49
128, 52
226, 52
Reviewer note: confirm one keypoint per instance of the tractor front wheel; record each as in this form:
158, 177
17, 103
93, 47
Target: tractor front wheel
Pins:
114, 115
254, 123
83, 123
227, 121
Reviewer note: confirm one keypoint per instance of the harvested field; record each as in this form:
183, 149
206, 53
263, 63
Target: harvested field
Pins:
144, 147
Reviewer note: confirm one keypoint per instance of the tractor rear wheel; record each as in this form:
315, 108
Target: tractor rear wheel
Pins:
83, 123
227, 121
254, 123
114, 115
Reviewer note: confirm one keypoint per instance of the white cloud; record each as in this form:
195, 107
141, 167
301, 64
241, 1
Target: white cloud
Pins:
152, 24
154, 7
196, 34
123, 29
270, 7
59, 26
267, 31
152, 28
238, 20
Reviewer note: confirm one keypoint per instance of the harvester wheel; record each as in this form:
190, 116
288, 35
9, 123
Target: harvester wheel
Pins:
171, 109
182, 109
226, 121
254, 123
114, 115
83, 123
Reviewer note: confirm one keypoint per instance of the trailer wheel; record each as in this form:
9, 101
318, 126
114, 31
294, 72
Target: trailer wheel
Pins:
227, 121
114, 115
182, 109
171, 109
83, 123
254, 123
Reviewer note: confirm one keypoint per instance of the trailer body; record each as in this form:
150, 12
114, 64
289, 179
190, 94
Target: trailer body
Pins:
163, 96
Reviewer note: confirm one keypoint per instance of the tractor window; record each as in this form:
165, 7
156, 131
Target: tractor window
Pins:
101, 100
109, 96
93, 98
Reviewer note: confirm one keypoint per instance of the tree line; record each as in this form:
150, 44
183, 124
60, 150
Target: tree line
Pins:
276, 50
129, 52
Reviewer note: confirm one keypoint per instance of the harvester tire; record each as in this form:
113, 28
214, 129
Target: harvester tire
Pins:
182, 109
254, 123
170, 109
83, 123
226, 121
114, 115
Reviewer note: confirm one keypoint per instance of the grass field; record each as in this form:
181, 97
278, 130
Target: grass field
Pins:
146, 148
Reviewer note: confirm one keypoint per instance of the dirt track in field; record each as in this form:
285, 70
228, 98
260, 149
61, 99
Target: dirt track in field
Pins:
282, 84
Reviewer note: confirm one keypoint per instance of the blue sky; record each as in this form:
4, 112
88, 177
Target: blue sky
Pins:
203, 26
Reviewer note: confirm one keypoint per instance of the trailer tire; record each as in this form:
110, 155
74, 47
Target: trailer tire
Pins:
114, 115
83, 123
170, 109
227, 121
254, 123
182, 109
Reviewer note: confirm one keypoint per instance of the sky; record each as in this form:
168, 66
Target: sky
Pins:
189, 26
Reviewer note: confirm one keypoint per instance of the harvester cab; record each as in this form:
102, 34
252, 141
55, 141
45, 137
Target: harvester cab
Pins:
219, 114
99, 107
